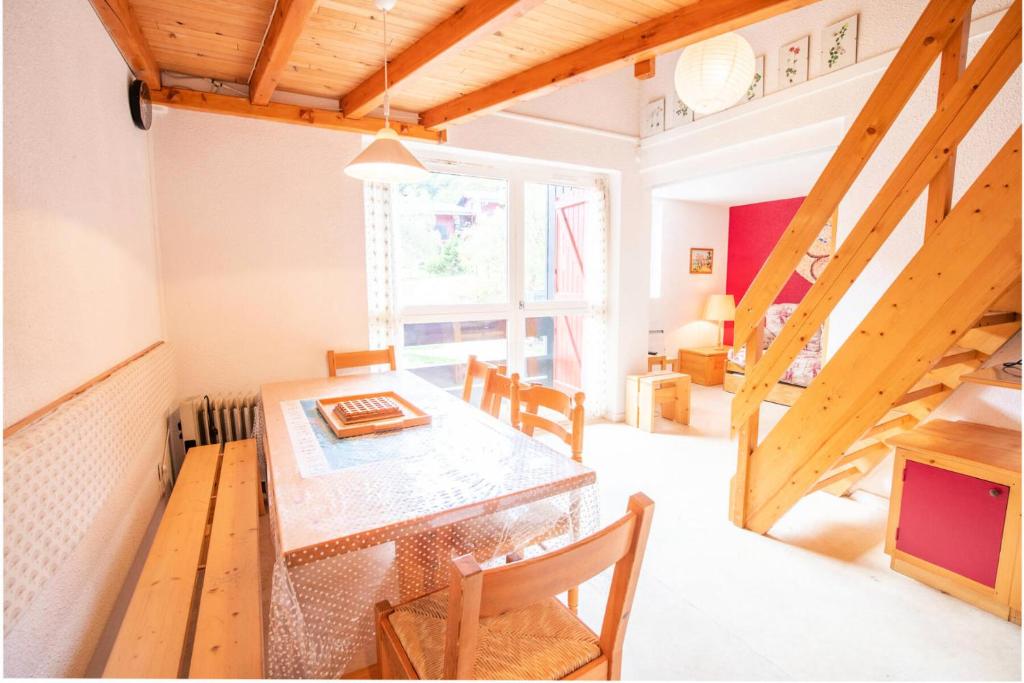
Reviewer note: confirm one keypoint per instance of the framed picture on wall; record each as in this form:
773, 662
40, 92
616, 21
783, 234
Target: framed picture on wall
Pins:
839, 45
653, 120
679, 114
793, 62
702, 260
756, 89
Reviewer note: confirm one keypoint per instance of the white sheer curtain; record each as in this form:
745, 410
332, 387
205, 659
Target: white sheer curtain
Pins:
595, 323
379, 270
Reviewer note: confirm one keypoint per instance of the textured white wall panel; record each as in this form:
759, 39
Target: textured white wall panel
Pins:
80, 487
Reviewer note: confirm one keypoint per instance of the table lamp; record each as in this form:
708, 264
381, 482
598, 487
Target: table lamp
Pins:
719, 308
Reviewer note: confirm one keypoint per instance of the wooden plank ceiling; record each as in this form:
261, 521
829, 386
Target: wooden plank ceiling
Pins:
453, 59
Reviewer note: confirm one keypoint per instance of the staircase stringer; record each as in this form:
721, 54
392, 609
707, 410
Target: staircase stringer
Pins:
951, 378
966, 265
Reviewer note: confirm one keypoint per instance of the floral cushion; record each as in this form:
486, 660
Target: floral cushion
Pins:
807, 363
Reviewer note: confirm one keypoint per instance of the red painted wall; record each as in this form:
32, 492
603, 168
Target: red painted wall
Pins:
753, 231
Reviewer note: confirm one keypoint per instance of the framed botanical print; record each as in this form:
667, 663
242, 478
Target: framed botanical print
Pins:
839, 45
653, 121
793, 62
756, 89
702, 261
679, 114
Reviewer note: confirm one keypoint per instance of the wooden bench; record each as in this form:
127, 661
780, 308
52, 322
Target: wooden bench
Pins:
196, 609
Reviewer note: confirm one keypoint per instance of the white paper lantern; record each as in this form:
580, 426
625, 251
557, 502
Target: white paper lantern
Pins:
714, 74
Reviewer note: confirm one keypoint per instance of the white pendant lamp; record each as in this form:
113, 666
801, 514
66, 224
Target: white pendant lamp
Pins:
714, 74
386, 160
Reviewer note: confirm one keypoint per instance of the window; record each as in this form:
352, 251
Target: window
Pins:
451, 234
504, 263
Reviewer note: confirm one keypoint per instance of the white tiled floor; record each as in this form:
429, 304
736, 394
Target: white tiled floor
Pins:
814, 600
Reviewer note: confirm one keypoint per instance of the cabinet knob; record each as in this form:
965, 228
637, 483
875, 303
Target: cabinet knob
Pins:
995, 493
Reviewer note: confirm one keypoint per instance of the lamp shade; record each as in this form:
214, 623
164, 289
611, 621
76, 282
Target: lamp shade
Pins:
714, 74
386, 160
720, 307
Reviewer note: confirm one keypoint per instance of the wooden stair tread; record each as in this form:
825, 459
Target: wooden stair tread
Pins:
956, 355
997, 318
995, 376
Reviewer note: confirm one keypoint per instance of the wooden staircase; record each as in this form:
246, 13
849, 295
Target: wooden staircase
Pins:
954, 304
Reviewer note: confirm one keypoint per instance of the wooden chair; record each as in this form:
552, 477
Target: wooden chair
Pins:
527, 402
662, 363
478, 369
339, 360
505, 623
497, 387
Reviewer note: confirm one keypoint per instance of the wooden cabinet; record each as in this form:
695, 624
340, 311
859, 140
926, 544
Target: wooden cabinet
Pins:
954, 519
705, 365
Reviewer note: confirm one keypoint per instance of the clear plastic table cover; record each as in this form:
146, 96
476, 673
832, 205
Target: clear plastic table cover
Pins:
322, 599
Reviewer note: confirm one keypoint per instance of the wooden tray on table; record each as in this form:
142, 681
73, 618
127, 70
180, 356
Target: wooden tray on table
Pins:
411, 415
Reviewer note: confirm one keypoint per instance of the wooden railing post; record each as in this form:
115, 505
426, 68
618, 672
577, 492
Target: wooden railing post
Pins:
954, 61
748, 437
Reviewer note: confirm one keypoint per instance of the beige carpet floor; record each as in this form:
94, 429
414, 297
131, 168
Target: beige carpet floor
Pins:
814, 600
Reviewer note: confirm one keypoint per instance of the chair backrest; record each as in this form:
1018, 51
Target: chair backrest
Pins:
475, 593
662, 363
527, 402
496, 387
477, 369
339, 360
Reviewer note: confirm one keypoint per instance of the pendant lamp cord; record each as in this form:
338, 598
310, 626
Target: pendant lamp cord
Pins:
387, 99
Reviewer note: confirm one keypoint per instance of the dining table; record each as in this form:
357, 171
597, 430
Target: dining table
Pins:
362, 519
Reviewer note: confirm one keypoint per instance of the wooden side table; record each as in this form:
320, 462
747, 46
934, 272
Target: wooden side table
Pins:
668, 390
954, 513
706, 365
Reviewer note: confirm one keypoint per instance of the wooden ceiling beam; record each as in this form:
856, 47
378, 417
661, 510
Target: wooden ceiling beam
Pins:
474, 20
230, 105
286, 24
701, 20
119, 20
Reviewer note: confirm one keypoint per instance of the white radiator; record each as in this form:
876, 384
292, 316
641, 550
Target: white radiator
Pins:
217, 419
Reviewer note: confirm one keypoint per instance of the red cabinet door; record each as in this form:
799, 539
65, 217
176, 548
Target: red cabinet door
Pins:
952, 520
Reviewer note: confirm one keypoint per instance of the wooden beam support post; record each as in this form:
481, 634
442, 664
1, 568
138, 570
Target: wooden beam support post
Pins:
748, 436
119, 20
286, 25
472, 21
951, 67
644, 69
285, 113
698, 21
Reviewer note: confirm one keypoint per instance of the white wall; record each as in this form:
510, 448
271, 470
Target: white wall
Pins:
813, 116
81, 284
81, 293
262, 248
261, 239
680, 308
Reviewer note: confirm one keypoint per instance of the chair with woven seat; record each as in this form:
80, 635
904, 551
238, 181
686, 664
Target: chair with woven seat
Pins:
478, 370
497, 387
526, 404
340, 360
506, 623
